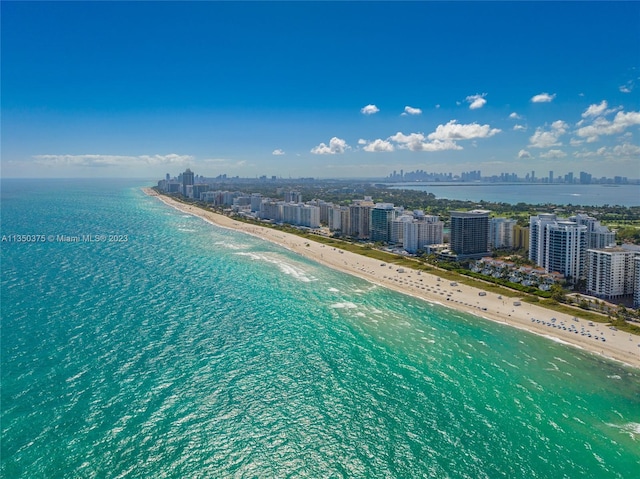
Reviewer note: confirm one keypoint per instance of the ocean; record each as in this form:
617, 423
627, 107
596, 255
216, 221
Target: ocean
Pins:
532, 193
140, 342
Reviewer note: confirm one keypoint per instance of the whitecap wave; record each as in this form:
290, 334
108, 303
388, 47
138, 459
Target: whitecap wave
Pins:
344, 305
232, 246
287, 268
630, 428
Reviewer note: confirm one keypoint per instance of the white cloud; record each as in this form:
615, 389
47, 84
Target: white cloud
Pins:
553, 154
524, 155
476, 101
602, 126
379, 146
120, 161
519, 127
456, 131
278, 152
406, 139
624, 151
408, 110
590, 154
627, 149
416, 142
336, 146
595, 110
515, 116
542, 98
548, 138
436, 145
369, 110
627, 87
560, 126
362, 142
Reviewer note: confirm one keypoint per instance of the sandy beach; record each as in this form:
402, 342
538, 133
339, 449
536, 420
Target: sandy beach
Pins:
556, 326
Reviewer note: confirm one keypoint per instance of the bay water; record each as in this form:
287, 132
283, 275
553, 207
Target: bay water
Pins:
137, 341
532, 193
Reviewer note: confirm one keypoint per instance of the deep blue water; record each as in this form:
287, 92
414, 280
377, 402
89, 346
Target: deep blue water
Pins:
192, 351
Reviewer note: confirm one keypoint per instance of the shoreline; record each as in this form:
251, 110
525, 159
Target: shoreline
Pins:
619, 346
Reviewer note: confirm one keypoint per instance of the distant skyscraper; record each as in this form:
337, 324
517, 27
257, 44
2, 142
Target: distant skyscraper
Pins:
585, 178
293, 197
550, 176
470, 233
187, 180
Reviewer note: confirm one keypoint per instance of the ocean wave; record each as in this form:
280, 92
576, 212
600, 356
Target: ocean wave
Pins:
286, 268
344, 305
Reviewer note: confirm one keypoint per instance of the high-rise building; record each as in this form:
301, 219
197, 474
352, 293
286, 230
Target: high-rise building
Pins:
521, 237
198, 189
470, 233
501, 232
272, 210
256, 202
421, 231
566, 244
636, 281
382, 214
187, 180
292, 197
598, 236
537, 239
610, 272
309, 216
359, 216
397, 228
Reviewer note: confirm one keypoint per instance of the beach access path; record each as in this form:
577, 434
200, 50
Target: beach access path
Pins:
618, 345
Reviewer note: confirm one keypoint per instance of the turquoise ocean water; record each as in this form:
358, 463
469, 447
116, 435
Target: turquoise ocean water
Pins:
192, 351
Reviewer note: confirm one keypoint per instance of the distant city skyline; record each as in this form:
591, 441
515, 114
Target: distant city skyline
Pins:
319, 89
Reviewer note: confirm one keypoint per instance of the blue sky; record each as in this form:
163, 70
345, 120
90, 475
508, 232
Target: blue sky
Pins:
322, 89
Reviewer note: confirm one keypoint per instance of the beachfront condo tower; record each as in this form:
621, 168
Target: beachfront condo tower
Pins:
470, 233
382, 215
